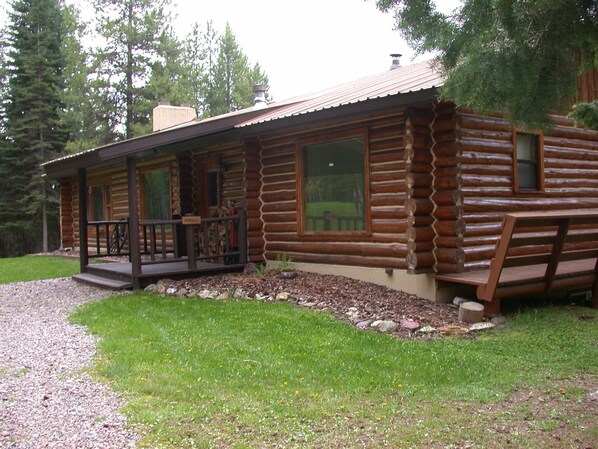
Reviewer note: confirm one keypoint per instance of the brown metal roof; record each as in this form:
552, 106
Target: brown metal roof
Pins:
403, 80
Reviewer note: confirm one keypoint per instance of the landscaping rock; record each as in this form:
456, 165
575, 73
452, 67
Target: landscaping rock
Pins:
239, 293
151, 288
427, 330
458, 300
207, 294
453, 330
499, 320
182, 293
471, 312
363, 324
288, 274
284, 296
376, 323
250, 268
409, 325
388, 326
481, 326
171, 291
222, 296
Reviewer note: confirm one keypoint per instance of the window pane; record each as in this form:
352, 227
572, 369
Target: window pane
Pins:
97, 203
334, 186
156, 194
212, 188
527, 161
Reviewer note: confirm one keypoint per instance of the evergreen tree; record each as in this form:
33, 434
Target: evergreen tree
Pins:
33, 128
233, 78
511, 55
133, 31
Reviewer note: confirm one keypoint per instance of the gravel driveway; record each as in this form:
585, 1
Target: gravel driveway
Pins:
46, 401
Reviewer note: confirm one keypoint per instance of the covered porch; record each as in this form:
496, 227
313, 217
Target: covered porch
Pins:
147, 250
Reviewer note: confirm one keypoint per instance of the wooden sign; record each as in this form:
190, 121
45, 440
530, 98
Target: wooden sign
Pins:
191, 220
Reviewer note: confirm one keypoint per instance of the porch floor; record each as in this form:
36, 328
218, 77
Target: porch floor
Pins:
122, 272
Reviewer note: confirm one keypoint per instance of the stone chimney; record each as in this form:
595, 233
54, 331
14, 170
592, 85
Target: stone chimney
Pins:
166, 116
395, 61
260, 96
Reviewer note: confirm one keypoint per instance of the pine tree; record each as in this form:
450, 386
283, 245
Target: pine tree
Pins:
33, 128
133, 31
516, 56
233, 78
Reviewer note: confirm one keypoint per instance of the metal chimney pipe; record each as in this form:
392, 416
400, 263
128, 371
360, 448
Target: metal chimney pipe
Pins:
396, 63
260, 96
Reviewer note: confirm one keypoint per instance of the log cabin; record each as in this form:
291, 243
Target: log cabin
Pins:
376, 179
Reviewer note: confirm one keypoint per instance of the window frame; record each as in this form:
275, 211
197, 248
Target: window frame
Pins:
360, 133
106, 200
141, 175
540, 162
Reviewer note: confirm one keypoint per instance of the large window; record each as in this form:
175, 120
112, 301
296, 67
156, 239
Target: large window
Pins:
528, 165
156, 194
333, 186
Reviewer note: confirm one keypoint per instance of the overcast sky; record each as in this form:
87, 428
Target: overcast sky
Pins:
304, 45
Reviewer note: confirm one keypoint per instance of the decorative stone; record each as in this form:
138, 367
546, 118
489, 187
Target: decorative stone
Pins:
427, 330
171, 291
222, 296
481, 326
376, 323
409, 325
499, 320
239, 293
284, 296
458, 300
207, 294
288, 274
250, 268
309, 305
151, 288
182, 292
453, 330
471, 312
363, 324
388, 326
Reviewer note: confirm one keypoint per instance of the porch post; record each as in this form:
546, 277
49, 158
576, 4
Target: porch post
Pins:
83, 250
133, 222
242, 236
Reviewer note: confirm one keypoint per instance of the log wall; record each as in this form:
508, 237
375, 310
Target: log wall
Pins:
67, 235
570, 172
386, 244
116, 178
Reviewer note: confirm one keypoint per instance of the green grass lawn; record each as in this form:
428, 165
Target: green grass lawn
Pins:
31, 268
248, 374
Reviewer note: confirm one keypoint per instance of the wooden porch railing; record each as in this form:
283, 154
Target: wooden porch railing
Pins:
219, 239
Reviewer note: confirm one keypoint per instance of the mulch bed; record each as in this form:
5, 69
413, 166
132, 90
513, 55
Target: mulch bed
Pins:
348, 299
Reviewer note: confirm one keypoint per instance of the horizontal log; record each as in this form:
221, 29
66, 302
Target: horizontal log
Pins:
488, 171
489, 146
388, 213
471, 121
554, 162
446, 241
383, 200
419, 192
339, 249
286, 169
450, 227
389, 226
485, 134
448, 149
419, 168
277, 217
420, 220
448, 197
418, 117
289, 206
447, 182
445, 122
420, 156
388, 187
448, 268
445, 136
448, 212
455, 256
255, 223
441, 162
387, 177
370, 262
420, 246
256, 242
557, 143
395, 143
527, 204
420, 206
418, 179
384, 132
417, 140
469, 180
277, 178
420, 234
383, 157
281, 195
420, 260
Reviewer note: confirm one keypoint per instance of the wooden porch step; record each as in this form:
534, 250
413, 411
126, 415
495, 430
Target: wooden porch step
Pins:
102, 282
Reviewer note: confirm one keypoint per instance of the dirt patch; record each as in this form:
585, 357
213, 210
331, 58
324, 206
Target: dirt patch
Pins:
348, 299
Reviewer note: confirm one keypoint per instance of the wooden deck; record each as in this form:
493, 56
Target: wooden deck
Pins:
119, 276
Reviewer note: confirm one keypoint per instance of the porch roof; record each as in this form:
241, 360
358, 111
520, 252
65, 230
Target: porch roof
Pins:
404, 85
